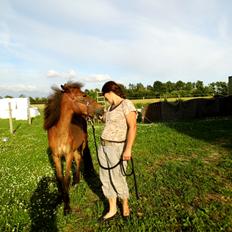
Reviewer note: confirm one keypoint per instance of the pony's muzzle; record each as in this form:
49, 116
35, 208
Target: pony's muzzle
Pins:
99, 112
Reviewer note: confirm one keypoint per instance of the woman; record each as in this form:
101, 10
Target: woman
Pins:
117, 140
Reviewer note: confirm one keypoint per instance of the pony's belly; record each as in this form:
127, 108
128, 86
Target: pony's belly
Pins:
60, 148
64, 149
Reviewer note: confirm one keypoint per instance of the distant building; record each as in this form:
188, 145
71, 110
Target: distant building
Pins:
19, 107
230, 85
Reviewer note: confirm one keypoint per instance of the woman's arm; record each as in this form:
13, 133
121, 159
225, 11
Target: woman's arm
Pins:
131, 134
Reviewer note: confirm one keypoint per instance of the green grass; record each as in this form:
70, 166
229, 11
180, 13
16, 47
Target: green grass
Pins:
183, 172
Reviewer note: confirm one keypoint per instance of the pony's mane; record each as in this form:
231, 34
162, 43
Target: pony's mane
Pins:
53, 106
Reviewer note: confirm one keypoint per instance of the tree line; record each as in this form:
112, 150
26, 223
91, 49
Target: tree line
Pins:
172, 89
160, 90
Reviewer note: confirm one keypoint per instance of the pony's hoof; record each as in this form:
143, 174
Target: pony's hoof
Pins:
67, 211
75, 182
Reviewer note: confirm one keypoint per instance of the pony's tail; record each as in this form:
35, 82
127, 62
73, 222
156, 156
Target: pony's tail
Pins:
88, 163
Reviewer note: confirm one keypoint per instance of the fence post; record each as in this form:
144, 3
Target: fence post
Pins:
101, 99
28, 113
10, 118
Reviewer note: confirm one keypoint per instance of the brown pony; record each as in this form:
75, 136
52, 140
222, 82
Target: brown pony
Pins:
64, 120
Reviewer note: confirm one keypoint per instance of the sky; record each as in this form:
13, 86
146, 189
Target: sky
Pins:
49, 42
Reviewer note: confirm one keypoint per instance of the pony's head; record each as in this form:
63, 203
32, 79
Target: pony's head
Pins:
81, 103
70, 96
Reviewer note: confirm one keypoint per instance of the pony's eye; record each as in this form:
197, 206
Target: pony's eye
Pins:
84, 95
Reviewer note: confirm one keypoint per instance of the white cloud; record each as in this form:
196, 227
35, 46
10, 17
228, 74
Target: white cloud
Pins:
168, 52
97, 78
5, 39
70, 12
53, 73
18, 88
223, 29
71, 74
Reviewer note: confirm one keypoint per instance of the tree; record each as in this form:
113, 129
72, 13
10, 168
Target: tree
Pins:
22, 96
32, 100
140, 87
180, 85
212, 88
123, 87
199, 90
189, 86
92, 92
221, 88
158, 88
150, 88
200, 85
169, 86
132, 86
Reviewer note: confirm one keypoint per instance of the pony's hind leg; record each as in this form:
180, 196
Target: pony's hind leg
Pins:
76, 173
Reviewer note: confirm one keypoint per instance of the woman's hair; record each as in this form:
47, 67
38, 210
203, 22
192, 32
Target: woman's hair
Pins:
114, 87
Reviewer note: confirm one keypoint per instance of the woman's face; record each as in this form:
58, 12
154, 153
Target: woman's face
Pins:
108, 97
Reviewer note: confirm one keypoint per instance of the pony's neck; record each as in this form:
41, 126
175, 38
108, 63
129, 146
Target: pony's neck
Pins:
66, 113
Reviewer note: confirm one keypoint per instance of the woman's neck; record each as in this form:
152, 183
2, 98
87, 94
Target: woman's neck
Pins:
117, 100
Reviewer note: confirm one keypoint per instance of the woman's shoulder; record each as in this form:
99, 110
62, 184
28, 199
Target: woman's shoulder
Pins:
128, 102
128, 105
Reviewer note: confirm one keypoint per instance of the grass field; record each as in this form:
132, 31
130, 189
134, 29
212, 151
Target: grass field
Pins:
183, 170
153, 100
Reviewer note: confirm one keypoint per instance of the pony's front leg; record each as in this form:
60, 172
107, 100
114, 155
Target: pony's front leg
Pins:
76, 175
59, 173
69, 159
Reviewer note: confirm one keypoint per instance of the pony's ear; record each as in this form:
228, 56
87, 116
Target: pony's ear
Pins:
65, 89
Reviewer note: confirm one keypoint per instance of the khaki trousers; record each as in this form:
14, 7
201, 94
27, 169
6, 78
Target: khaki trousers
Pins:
113, 181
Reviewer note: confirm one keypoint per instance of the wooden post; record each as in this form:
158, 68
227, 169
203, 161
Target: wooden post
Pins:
29, 114
101, 99
10, 118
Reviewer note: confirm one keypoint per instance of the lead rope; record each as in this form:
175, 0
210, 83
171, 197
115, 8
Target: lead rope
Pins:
120, 162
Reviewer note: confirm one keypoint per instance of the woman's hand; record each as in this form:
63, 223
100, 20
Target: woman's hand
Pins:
131, 122
126, 154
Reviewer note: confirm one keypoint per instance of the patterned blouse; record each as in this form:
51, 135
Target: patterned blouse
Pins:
116, 125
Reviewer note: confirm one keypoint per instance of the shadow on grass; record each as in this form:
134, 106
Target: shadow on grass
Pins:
44, 203
213, 131
92, 178
18, 126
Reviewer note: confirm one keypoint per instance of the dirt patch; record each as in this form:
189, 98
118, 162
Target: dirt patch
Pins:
212, 158
218, 197
209, 197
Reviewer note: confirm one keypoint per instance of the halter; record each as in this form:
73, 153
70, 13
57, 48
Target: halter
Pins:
84, 102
